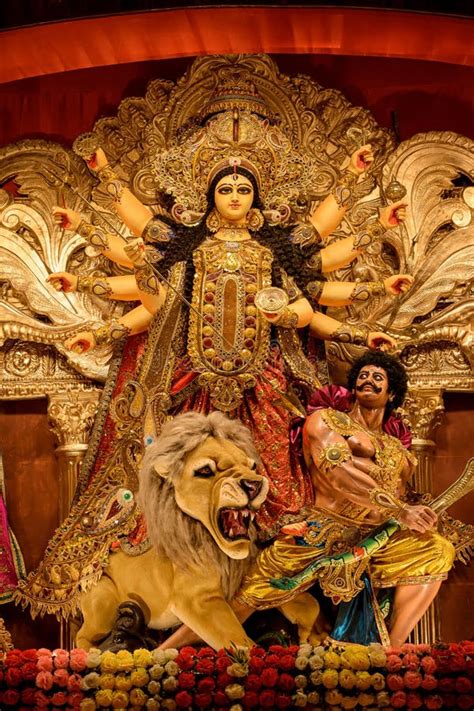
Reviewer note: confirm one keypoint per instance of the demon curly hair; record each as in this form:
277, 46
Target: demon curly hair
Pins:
286, 255
397, 377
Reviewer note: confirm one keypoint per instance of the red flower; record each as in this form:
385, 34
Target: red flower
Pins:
408, 647
206, 652
398, 699
184, 661
271, 660
466, 701
394, 663
186, 680
257, 652
221, 663
277, 649
287, 662
267, 699
457, 663
269, 677
13, 676
428, 664
467, 647
293, 649
42, 700
463, 685
11, 697
59, 698
429, 682
256, 664
220, 699
202, 699
206, 666
28, 697
446, 684
74, 699
450, 701
74, 682
250, 699
183, 699
187, 651
414, 700
224, 679
395, 682
29, 671
13, 658
412, 679
61, 677
206, 685
433, 701
283, 701
29, 655
253, 682
411, 661
286, 682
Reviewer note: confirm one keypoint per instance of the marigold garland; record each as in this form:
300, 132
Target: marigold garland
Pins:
324, 677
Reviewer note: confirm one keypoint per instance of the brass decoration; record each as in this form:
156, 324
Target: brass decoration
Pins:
424, 409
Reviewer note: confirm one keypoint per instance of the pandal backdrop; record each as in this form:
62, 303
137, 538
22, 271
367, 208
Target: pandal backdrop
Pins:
432, 323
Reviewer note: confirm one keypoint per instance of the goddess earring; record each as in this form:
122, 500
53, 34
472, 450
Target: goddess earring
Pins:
213, 221
254, 219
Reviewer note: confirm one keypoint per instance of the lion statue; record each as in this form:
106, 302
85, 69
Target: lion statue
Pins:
199, 491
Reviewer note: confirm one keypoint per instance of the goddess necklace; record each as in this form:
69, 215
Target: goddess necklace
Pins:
232, 234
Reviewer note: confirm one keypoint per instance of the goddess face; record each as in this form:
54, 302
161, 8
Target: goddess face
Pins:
372, 387
233, 198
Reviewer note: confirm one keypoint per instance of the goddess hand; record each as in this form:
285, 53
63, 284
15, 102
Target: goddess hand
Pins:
393, 215
81, 342
97, 160
361, 159
379, 341
63, 281
135, 251
66, 218
398, 284
418, 518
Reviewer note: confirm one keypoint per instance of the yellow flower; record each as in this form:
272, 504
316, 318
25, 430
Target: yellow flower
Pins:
366, 699
154, 687
383, 699
123, 682
108, 662
125, 660
330, 678
235, 691
87, 705
313, 698
169, 684
152, 705
300, 699
138, 697
142, 658
378, 681
356, 658
363, 680
349, 702
301, 681
316, 677
347, 679
120, 700
168, 704
157, 671
140, 677
333, 697
332, 660
377, 657
103, 697
107, 681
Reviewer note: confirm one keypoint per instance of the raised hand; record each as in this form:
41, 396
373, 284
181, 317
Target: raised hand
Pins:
380, 341
398, 284
393, 215
418, 518
361, 159
81, 342
63, 281
66, 218
97, 160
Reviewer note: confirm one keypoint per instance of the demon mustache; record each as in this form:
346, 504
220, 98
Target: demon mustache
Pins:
374, 387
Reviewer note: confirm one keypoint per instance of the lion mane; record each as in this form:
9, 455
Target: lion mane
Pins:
173, 533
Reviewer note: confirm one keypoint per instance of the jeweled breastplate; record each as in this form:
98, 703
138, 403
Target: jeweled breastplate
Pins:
228, 341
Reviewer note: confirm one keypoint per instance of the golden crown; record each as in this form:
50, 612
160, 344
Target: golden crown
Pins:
238, 138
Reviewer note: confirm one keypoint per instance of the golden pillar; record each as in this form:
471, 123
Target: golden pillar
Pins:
425, 409
70, 417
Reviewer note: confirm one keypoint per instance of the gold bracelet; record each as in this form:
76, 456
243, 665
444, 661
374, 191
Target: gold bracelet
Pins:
110, 332
287, 319
372, 233
333, 455
305, 235
314, 289
96, 236
364, 290
315, 263
386, 503
156, 231
351, 334
111, 182
146, 279
343, 189
93, 285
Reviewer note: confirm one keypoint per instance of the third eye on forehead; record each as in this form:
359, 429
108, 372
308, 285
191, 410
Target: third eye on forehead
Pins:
375, 374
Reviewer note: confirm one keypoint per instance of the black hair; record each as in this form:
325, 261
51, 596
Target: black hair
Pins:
286, 255
396, 374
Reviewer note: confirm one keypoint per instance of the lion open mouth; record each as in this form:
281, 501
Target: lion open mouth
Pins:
234, 523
